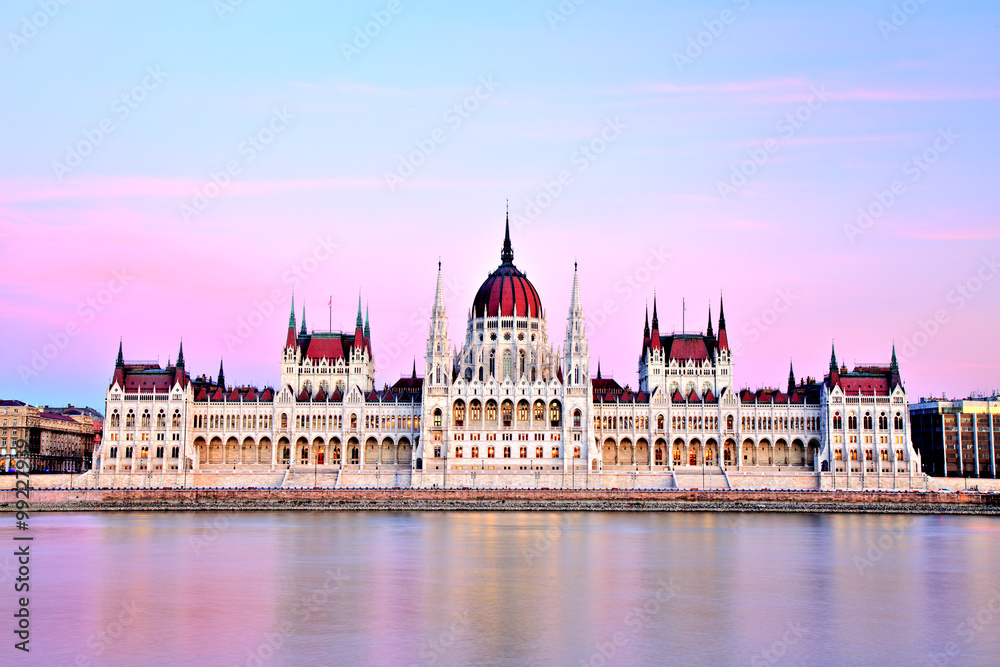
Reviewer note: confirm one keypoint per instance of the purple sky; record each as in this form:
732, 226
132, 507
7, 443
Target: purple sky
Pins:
702, 149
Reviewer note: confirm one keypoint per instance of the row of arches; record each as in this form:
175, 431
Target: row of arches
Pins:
695, 452
146, 419
867, 420
304, 452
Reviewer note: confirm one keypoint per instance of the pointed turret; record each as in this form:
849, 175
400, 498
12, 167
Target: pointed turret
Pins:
414, 376
440, 362
894, 379
598, 369
654, 334
302, 331
359, 328
119, 375
834, 371
290, 338
645, 333
222, 376
507, 254
791, 378
576, 350
723, 338
709, 331
367, 330
180, 377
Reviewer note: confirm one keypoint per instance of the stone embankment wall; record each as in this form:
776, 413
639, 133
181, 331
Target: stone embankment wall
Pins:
492, 499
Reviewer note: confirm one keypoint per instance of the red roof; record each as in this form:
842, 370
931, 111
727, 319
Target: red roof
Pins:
684, 347
326, 346
507, 293
866, 386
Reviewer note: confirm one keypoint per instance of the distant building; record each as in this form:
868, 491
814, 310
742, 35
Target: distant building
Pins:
59, 439
939, 425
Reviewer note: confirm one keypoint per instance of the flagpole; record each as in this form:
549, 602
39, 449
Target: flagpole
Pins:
330, 306
684, 310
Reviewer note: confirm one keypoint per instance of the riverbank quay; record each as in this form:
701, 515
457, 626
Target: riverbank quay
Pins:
888, 502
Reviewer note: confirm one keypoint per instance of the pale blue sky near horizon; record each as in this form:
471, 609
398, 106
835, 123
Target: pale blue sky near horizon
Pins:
885, 96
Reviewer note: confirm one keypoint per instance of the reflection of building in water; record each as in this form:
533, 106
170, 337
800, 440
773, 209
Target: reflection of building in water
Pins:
506, 407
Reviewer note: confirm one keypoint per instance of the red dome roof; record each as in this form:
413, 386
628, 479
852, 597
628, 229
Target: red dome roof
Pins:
507, 292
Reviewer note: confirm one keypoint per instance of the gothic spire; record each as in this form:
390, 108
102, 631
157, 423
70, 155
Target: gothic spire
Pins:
414, 376
222, 375
645, 329
598, 368
180, 355
656, 320
723, 337
791, 378
709, 333
359, 324
833, 359
291, 316
507, 254
367, 330
120, 362
303, 330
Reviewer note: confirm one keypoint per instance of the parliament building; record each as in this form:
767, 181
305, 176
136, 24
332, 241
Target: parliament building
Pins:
507, 409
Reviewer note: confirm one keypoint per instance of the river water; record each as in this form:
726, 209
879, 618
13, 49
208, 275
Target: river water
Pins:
509, 588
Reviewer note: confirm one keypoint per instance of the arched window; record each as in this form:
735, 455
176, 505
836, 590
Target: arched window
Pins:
506, 452
577, 418
576, 452
115, 419
438, 374
507, 413
868, 421
539, 411
883, 421
176, 419
522, 411
576, 375
524, 452
899, 454
489, 452
491, 411
459, 411
852, 421
437, 418
729, 422
458, 452
354, 421
130, 420
897, 420
555, 452
284, 420
475, 452
161, 419
838, 422
659, 422
506, 365
838, 455
522, 364
476, 411
480, 373
493, 369
555, 413
145, 419
854, 455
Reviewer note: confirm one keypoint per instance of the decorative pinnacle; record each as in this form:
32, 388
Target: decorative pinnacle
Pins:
507, 254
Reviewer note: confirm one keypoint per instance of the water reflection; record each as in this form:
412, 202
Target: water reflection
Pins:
439, 588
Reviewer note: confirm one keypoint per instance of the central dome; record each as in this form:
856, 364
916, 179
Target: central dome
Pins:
507, 292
